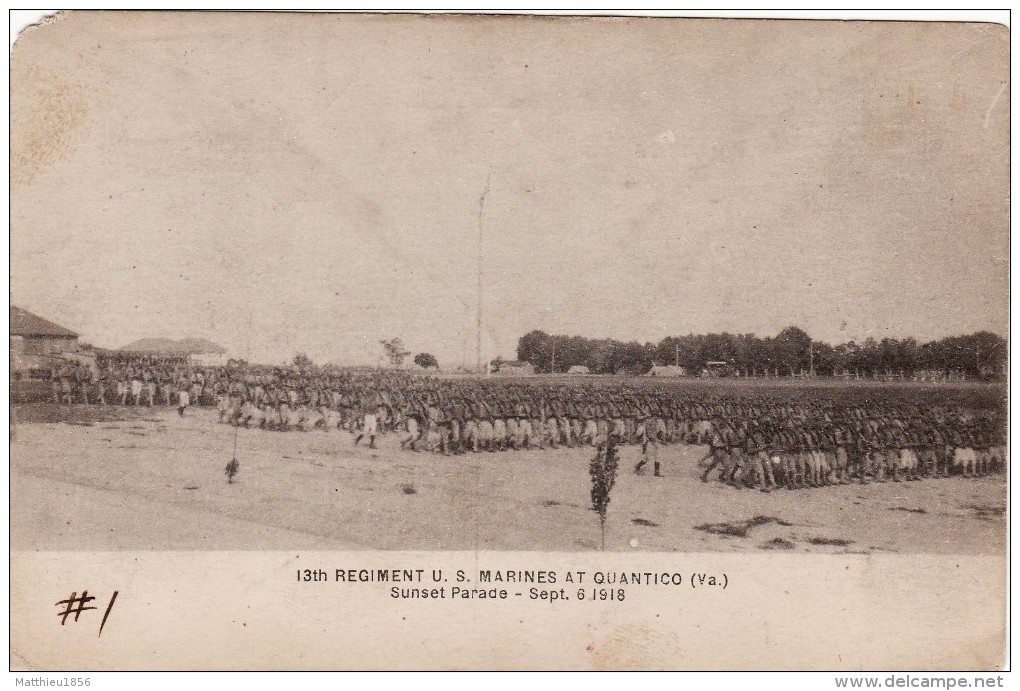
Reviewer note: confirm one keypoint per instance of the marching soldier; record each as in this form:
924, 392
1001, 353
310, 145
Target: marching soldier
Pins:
369, 426
649, 452
718, 455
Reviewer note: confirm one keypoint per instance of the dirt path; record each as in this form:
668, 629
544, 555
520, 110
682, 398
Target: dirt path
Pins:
152, 480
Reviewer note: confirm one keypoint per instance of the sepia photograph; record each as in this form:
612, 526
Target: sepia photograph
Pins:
512, 294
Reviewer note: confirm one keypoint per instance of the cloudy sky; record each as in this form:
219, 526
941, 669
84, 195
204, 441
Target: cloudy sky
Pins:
284, 183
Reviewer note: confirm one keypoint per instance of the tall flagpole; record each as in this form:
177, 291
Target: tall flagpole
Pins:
481, 209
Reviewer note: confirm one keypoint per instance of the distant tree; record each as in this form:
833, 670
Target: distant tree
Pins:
991, 353
793, 349
869, 356
826, 359
981, 354
556, 353
303, 362
633, 358
667, 352
603, 357
426, 360
395, 352
532, 347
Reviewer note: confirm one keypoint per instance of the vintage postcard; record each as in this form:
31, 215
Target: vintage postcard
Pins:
407, 341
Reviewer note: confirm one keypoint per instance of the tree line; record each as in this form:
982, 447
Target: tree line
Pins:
792, 352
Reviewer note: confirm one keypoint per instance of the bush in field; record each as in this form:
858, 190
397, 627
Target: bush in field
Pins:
426, 360
303, 362
603, 477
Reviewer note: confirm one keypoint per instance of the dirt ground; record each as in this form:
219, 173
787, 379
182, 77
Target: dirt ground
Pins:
138, 479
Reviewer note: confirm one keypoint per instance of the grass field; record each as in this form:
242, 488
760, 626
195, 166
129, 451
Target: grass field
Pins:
89, 478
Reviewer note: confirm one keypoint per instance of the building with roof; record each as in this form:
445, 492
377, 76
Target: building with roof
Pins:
515, 368
667, 371
717, 368
197, 351
37, 343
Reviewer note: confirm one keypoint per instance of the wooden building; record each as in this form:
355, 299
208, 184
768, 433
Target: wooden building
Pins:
38, 344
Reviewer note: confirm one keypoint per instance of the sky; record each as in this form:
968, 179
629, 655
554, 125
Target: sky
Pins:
283, 183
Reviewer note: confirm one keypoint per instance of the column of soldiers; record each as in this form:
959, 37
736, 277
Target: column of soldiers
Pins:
765, 445
767, 455
269, 397
130, 380
755, 440
761, 443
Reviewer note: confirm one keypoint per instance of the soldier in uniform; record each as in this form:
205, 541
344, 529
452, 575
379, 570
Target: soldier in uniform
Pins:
526, 430
499, 437
777, 451
101, 384
136, 391
759, 461
841, 463
718, 454
55, 387
183, 398
458, 416
485, 433
369, 428
792, 460
649, 452
413, 430
513, 432
735, 464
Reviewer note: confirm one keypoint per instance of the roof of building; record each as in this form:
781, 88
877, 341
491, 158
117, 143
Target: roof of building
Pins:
168, 346
24, 323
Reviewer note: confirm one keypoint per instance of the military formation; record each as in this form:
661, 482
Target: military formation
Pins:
127, 379
841, 445
755, 439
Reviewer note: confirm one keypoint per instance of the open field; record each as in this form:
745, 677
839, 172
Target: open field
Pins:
87, 478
